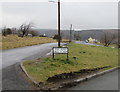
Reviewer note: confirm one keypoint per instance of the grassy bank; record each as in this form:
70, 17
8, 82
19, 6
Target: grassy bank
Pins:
111, 45
87, 57
13, 41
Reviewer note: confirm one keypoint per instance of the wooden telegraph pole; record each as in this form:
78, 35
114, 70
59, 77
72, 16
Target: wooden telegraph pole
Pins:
59, 38
70, 32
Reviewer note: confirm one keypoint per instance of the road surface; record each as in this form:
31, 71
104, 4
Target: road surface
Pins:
108, 81
83, 42
12, 76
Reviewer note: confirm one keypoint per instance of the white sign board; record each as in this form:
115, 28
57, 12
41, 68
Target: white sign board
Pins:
60, 50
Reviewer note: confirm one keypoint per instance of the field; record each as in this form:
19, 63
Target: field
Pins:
87, 57
13, 41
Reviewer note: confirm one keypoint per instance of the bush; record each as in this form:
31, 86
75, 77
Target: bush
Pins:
56, 37
6, 31
34, 33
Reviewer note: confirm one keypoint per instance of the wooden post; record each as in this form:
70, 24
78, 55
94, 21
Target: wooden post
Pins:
67, 57
53, 53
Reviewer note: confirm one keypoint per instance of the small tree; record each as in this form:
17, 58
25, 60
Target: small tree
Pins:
77, 37
6, 31
57, 37
107, 38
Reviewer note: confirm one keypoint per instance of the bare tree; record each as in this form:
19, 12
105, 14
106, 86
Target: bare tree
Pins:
24, 30
107, 38
77, 37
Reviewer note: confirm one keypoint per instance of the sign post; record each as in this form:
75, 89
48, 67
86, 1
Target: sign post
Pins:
61, 50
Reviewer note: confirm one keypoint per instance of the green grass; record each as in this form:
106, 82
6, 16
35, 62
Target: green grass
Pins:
87, 57
111, 45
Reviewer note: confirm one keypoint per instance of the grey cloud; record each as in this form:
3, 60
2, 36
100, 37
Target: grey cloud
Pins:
83, 15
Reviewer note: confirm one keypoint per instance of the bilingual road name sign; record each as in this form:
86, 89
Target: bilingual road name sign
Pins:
61, 50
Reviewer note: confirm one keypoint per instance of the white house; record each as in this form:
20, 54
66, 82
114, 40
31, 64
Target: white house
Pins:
92, 40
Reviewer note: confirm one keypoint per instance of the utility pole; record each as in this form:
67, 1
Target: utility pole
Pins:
70, 32
59, 38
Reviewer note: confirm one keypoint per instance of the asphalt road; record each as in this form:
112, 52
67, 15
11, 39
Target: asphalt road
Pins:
83, 42
12, 56
12, 76
108, 81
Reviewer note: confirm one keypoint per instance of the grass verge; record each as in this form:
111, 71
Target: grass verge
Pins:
87, 57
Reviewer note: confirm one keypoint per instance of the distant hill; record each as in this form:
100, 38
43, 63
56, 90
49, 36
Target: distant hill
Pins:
52, 32
84, 34
96, 33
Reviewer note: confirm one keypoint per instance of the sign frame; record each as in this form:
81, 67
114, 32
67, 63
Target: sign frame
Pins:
53, 54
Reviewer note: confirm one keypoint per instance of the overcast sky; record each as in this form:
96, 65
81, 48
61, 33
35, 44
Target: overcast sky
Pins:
83, 15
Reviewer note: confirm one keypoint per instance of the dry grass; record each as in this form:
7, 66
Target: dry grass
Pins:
13, 41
